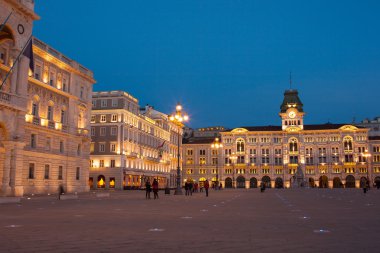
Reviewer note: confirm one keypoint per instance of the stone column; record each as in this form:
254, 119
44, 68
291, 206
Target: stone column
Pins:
16, 183
6, 189
13, 76
22, 77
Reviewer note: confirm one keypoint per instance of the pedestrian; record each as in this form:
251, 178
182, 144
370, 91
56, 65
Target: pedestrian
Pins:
196, 187
155, 188
220, 186
262, 187
186, 188
377, 184
206, 187
61, 191
191, 188
148, 189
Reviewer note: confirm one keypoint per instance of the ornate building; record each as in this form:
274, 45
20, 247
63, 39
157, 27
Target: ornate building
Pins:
130, 144
290, 155
44, 115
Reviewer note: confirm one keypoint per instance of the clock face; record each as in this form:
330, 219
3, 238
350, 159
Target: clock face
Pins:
292, 114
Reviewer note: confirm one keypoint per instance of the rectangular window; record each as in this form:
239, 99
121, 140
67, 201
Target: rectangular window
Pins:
77, 176
93, 117
63, 117
64, 84
31, 171
189, 152
60, 172
92, 131
114, 102
93, 103
35, 109
37, 72
81, 95
79, 149
48, 143
33, 141
103, 103
102, 131
202, 152
102, 118
114, 118
101, 163
113, 130
102, 147
112, 163
61, 147
47, 168
113, 147
50, 113
202, 160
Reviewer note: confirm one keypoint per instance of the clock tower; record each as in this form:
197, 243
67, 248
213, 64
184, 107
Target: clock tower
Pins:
291, 111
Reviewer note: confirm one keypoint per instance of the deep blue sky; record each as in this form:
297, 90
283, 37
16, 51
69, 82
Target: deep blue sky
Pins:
227, 61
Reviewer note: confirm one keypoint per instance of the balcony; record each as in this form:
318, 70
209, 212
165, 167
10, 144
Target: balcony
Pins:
5, 97
82, 132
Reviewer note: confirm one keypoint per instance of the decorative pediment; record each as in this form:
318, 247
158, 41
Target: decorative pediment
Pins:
239, 130
348, 128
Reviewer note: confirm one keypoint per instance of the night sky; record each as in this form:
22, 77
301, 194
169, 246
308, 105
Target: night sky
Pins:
226, 61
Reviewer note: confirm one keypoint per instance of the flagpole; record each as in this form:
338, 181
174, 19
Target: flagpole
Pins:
6, 20
15, 62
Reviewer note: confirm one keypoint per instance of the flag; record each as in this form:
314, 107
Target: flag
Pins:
28, 52
161, 145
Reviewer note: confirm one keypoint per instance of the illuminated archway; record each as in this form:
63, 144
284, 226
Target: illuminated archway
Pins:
279, 183
228, 182
323, 182
253, 183
350, 181
101, 182
266, 180
240, 181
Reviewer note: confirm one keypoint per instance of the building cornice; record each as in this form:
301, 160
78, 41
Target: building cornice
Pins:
52, 59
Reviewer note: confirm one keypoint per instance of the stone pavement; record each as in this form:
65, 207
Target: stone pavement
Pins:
291, 220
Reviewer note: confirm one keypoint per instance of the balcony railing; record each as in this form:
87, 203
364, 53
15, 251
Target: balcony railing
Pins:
5, 97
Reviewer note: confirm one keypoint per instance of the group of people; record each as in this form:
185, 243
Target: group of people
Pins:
149, 187
191, 187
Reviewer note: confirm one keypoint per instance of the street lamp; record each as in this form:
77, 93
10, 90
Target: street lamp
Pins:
233, 159
367, 156
178, 118
217, 145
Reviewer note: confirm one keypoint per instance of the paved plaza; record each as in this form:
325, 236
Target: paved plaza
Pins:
291, 220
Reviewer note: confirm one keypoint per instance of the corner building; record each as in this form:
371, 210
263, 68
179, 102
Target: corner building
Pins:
44, 115
290, 155
130, 145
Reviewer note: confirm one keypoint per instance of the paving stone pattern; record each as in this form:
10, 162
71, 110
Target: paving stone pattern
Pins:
291, 220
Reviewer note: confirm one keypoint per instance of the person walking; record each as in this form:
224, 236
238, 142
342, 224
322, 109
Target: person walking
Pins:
61, 191
206, 184
191, 188
186, 188
155, 188
148, 189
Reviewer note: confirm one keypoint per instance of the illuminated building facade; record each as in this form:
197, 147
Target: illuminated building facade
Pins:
44, 116
130, 145
290, 155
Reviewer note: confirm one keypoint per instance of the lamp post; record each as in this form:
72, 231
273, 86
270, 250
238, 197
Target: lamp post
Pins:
178, 118
217, 145
233, 159
367, 156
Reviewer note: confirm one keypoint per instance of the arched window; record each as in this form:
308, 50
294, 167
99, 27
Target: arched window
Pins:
240, 145
347, 143
293, 145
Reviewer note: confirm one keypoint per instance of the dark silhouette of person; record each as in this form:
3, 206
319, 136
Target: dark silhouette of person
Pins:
155, 188
191, 189
206, 185
61, 191
148, 189
186, 188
